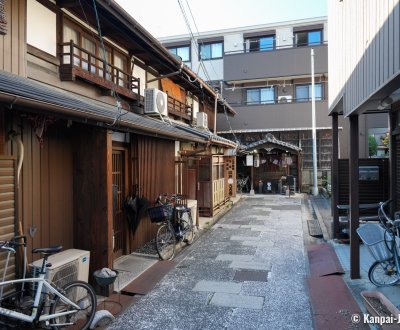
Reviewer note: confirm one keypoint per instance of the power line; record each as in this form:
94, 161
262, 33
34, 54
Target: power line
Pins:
193, 39
198, 33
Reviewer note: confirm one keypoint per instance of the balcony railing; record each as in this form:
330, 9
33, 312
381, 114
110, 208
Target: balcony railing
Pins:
179, 109
269, 48
77, 61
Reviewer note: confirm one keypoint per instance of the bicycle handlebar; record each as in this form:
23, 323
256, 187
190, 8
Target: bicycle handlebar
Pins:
12, 244
382, 206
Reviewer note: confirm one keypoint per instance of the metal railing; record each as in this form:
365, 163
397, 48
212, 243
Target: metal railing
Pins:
270, 48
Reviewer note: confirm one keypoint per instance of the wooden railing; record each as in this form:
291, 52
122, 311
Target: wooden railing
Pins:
178, 108
96, 69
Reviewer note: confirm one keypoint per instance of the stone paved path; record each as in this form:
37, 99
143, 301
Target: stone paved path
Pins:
247, 272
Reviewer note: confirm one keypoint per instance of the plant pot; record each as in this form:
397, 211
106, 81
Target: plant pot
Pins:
382, 307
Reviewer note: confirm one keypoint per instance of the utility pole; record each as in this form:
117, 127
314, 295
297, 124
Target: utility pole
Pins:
314, 131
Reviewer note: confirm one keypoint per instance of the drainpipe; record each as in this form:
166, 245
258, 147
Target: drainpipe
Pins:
14, 136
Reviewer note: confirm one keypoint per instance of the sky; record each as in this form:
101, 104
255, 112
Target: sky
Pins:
164, 17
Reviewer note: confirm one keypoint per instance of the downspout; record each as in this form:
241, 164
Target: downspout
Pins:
14, 136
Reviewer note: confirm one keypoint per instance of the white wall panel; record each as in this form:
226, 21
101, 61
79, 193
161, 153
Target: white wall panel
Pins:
41, 33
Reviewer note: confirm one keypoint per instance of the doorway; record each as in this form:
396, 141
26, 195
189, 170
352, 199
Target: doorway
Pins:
119, 167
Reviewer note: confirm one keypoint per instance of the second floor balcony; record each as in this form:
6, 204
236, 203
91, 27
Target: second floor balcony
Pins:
283, 62
178, 109
76, 61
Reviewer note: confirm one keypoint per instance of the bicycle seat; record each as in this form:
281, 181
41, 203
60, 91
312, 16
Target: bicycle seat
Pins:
48, 251
180, 208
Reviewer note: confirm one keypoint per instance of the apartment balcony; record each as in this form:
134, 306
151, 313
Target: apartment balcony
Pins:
179, 110
78, 62
277, 116
284, 62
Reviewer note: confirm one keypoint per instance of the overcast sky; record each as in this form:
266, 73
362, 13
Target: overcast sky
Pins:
164, 17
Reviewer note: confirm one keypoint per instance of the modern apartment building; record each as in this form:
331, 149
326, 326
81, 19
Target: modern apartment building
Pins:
264, 72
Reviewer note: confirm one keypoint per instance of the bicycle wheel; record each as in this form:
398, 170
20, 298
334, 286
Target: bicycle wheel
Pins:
383, 273
82, 294
165, 242
188, 228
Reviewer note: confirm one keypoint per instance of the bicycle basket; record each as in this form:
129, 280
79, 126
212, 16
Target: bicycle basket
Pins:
373, 236
160, 213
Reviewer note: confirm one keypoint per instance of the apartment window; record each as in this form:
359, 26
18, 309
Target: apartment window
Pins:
260, 43
260, 95
183, 52
308, 38
210, 51
303, 92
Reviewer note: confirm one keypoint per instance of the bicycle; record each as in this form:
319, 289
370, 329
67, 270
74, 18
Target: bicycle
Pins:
74, 304
176, 224
383, 242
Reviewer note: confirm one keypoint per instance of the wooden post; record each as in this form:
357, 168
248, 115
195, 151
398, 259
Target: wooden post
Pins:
335, 174
354, 199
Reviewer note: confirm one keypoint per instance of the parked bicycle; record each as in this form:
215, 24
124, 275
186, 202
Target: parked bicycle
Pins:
49, 306
383, 242
176, 224
242, 183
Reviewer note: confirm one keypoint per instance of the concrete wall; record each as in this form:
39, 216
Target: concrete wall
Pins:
278, 63
277, 116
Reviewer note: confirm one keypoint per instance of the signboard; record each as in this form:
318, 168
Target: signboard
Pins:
249, 160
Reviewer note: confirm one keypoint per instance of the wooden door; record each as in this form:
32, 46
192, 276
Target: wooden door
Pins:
119, 159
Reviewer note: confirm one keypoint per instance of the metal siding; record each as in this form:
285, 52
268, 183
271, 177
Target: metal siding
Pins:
396, 37
370, 47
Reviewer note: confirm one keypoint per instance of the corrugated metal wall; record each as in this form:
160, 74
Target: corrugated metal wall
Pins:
364, 42
153, 162
12, 44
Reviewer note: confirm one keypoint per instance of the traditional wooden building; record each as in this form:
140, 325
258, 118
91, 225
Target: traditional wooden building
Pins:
85, 123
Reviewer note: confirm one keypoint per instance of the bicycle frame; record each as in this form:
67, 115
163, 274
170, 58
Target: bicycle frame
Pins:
42, 283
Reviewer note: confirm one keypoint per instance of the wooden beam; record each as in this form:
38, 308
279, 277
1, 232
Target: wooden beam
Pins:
67, 3
392, 161
354, 198
335, 174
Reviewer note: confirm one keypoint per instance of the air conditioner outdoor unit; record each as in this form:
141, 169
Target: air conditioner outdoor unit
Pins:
66, 266
155, 102
285, 99
202, 120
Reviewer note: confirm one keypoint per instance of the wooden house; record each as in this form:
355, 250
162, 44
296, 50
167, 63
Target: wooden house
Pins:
76, 135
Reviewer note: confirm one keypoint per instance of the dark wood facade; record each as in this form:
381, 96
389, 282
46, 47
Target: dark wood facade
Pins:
76, 175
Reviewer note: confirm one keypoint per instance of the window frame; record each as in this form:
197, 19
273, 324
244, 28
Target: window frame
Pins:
260, 101
85, 33
308, 99
201, 44
308, 41
182, 46
253, 39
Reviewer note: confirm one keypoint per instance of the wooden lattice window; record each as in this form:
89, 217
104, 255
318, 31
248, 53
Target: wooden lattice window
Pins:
3, 21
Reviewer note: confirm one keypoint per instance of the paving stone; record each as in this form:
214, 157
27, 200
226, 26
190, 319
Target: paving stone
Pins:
259, 243
254, 265
218, 286
251, 275
227, 226
238, 301
234, 257
245, 238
